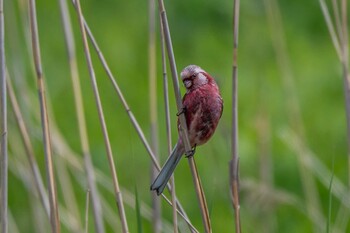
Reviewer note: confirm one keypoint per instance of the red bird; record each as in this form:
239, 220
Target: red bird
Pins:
203, 107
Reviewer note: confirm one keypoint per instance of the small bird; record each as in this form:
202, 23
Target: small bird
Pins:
202, 106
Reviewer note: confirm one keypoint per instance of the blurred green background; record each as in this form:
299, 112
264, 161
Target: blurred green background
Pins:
291, 107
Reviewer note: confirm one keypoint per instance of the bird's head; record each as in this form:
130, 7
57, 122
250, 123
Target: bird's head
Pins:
193, 76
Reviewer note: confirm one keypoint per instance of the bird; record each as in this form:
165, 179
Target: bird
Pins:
203, 107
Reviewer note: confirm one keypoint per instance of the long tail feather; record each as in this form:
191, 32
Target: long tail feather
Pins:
162, 179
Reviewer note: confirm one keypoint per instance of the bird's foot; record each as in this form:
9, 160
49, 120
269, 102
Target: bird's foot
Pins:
190, 153
183, 110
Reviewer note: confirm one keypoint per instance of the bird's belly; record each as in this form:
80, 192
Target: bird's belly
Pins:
203, 126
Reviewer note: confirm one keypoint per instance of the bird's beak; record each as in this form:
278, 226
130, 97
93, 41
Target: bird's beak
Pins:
187, 83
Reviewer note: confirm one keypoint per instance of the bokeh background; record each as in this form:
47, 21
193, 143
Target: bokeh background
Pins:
292, 126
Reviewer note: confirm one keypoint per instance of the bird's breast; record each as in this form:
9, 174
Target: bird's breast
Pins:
203, 111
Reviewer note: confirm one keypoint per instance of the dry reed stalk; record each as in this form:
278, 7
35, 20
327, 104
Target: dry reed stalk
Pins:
89, 169
340, 42
117, 191
192, 228
183, 126
336, 13
168, 124
120, 94
54, 217
68, 218
87, 211
126, 107
344, 41
38, 181
234, 163
22, 171
330, 27
156, 204
3, 128
339, 35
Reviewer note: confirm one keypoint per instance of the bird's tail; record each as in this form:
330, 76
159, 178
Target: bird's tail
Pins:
162, 179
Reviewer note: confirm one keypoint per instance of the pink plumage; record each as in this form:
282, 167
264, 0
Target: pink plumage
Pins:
203, 108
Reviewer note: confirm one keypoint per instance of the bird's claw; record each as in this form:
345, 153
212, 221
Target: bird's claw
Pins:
190, 153
183, 110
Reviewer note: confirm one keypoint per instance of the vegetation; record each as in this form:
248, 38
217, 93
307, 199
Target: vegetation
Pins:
293, 146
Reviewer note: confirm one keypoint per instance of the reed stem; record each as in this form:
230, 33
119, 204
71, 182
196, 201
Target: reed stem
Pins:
79, 105
3, 127
234, 164
117, 192
183, 127
54, 217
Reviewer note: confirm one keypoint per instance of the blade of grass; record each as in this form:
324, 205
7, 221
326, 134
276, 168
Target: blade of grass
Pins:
69, 38
118, 194
54, 217
138, 212
3, 127
316, 167
234, 163
183, 127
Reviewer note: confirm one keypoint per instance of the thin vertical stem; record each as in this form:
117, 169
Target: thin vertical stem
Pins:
79, 105
168, 125
156, 204
3, 127
234, 164
54, 217
173, 68
330, 27
117, 191
341, 44
87, 211
346, 75
338, 23
183, 126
